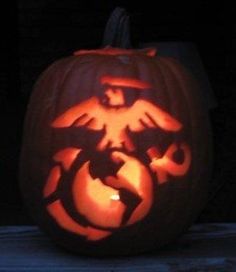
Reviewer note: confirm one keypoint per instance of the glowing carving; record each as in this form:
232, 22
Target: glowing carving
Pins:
125, 82
52, 181
99, 200
134, 177
67, 156
93, 199
165, 165
114, 97
104, 201
95, 116
66, 222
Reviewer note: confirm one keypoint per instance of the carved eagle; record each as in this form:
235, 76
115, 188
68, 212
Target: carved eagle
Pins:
116, 121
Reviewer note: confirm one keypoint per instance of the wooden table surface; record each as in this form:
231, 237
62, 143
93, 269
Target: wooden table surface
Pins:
206, 247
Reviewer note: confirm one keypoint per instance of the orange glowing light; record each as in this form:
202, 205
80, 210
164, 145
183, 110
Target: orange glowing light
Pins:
52, 181
95, 116
115, 97
110, 51
104, 202
96, 201
125, 82
133, 176
67, 156
60, 215
166, 165
153, 153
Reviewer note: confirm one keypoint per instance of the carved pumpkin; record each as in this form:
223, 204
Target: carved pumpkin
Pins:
116, 152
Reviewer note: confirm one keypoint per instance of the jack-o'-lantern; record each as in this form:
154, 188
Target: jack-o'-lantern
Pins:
116, 151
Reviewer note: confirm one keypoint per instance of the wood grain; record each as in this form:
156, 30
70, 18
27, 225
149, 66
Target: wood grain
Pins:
206, 247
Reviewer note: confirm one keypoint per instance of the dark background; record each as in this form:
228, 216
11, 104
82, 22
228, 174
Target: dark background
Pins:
45, 30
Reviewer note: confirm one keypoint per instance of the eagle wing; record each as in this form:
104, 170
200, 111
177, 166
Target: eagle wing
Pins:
93, 115
141, 115
144, 114
84, 114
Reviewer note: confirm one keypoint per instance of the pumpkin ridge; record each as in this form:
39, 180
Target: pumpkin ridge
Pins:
194, 116
179, 88
131, 152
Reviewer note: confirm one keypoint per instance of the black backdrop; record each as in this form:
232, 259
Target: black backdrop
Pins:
50, 29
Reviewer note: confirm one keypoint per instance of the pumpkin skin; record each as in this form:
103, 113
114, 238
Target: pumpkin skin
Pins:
116, 151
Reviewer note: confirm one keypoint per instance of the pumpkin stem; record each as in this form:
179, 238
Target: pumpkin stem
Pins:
117, 30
